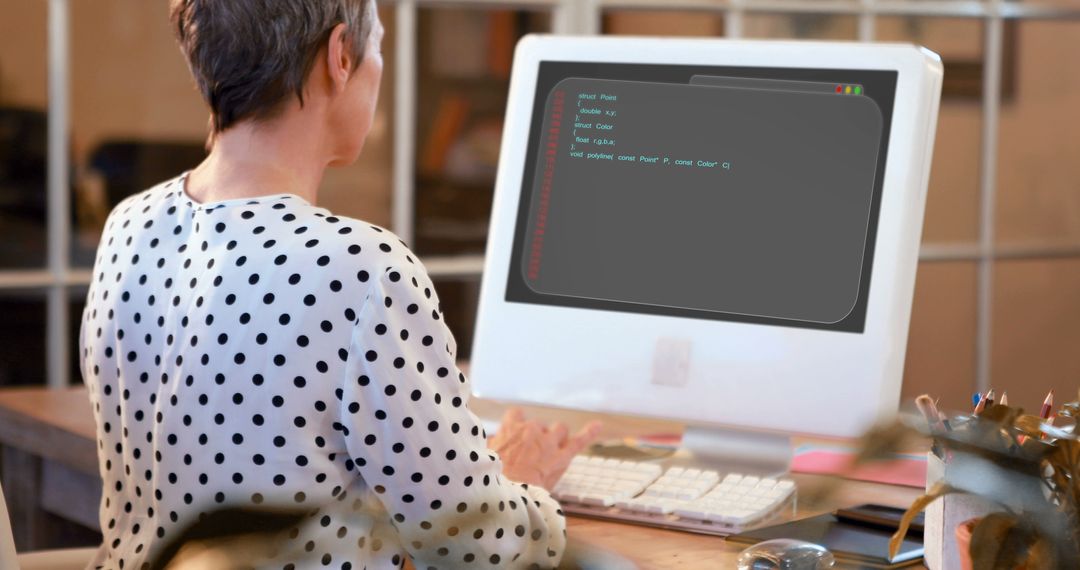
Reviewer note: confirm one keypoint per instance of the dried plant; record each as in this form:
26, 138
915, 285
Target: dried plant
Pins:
241, 538
1025, 465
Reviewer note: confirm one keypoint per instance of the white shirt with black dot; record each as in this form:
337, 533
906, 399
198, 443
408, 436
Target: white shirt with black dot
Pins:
263, 352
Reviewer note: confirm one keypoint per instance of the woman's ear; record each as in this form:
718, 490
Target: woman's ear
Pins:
339, 63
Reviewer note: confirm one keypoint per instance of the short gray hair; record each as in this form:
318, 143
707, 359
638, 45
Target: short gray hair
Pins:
249, 56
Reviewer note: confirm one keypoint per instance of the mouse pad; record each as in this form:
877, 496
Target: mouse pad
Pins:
851, 543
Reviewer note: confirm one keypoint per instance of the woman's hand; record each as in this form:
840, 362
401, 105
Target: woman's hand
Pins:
537, 454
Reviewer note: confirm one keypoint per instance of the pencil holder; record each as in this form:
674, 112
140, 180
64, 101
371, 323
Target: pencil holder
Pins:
944, 515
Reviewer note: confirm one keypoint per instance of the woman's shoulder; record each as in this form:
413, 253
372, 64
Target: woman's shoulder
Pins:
337, 244
373, 246
362, 259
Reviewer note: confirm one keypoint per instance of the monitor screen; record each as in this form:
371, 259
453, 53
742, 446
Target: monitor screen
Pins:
728, 193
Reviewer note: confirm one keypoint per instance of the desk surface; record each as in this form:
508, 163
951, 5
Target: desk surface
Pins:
58, 425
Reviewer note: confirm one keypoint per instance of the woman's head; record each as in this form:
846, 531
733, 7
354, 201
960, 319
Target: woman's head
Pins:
254, 60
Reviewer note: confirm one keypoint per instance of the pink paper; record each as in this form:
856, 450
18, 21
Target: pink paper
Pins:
909, 471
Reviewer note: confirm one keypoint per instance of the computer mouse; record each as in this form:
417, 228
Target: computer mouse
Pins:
785, 554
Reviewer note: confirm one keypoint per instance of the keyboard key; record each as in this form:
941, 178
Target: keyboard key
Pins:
718, 517
597, 499
692, 513
663, 508
572, 496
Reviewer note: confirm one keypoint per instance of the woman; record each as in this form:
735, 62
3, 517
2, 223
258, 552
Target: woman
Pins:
244, 347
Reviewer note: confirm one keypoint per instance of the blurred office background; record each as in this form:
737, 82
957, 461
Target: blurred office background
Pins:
997, 300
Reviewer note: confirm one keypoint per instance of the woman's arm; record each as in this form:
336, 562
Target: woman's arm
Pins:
421, 450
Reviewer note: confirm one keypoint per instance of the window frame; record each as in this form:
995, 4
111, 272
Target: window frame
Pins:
59, 278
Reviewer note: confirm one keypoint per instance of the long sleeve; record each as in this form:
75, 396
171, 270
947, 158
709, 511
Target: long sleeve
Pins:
425, 455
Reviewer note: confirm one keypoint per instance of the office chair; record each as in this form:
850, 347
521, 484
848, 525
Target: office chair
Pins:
61, 559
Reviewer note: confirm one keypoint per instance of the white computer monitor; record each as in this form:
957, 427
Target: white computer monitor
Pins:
723, 233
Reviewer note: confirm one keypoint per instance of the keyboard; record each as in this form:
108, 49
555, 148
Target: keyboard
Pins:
681, 498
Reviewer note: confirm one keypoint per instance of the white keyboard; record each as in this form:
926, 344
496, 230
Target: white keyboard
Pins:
682, 498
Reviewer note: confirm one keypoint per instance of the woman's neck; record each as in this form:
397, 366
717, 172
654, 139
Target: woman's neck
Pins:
260, 159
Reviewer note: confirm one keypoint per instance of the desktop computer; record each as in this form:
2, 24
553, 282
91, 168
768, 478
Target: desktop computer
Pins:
723, 233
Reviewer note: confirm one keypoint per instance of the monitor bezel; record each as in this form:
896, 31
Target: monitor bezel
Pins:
740, 375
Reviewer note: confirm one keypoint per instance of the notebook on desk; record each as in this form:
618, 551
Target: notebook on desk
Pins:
850, 542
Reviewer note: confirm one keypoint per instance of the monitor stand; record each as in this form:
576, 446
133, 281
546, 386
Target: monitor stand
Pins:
717, 449
738, 451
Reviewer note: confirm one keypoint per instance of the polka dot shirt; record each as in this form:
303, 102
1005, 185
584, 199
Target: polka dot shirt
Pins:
263, 352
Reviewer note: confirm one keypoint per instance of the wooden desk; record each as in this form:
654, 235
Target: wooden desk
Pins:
50, 465
49, 462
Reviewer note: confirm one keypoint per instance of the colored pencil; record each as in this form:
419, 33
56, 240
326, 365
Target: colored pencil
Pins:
928, 410
1048, 403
